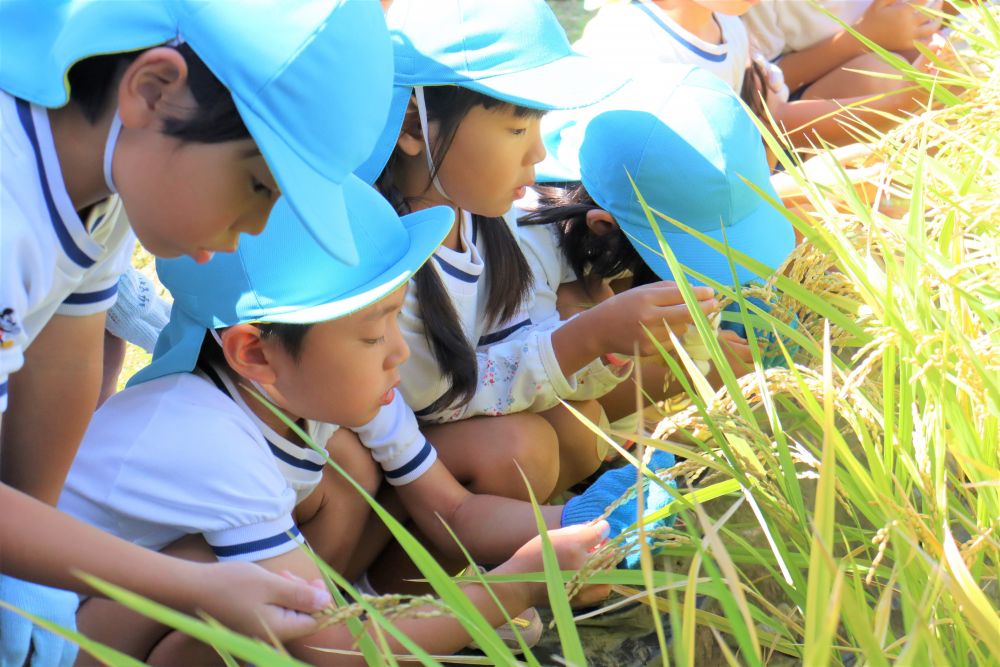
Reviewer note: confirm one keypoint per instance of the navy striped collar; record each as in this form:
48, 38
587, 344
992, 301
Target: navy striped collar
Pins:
693, 48
76, 243
444, 257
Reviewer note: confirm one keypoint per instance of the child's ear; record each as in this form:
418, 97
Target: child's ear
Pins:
411, 137
600, 222
154, 87
245, 353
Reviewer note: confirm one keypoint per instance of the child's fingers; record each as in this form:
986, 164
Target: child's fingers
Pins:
591, 594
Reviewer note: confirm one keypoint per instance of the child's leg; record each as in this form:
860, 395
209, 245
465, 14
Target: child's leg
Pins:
334, 515
117, 626
581, 450
481, 453
484, 454
842, 82
178, 649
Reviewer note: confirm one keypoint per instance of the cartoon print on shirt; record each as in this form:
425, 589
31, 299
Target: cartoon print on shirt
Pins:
8, 328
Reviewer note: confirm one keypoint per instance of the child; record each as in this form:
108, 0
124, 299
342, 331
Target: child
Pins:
189, 449
706, 33
472, 80
681, 136
197, 138
828, 69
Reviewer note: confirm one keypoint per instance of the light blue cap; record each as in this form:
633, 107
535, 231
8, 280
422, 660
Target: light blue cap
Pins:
688, 143
311, 78
511, 50
283, 276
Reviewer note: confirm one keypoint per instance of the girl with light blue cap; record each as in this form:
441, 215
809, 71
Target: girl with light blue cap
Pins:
189, 449
198, 114
473, 78
680, 137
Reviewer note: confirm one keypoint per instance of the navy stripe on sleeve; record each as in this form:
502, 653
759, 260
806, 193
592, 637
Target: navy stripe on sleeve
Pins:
80, 298
257, 545
497, 336
79, 257
294, 461
413, 464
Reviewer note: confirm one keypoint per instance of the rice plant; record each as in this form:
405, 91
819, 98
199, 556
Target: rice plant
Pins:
843, 508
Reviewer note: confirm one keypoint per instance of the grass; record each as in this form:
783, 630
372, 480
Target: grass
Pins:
848, 505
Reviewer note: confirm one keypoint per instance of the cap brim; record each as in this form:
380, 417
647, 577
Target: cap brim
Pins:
764, 235
373, 166
316, 200
569, 82
427, 229
180, 341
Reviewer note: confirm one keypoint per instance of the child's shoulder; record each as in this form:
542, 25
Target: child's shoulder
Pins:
176, 407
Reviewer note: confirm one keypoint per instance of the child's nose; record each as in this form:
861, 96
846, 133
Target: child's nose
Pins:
399, 352
537, 152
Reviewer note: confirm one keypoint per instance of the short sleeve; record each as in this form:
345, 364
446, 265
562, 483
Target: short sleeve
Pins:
396, 443
201, 466
98, 289
20, 262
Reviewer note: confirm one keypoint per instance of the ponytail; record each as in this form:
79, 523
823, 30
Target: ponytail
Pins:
507, 273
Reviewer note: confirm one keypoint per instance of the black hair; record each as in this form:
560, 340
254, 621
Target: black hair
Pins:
754, 91
289, 336
93, 81
593, 257
507, 273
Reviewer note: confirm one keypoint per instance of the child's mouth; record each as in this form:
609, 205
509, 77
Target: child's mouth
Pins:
202, 256
388, 396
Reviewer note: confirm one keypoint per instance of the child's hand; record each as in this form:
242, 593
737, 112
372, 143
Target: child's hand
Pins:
573, 546
618, 322
737, 351
896, 24
251, 600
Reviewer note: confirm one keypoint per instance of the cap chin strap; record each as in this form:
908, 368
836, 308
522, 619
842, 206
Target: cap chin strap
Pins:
422, 112
109, 151
256, 385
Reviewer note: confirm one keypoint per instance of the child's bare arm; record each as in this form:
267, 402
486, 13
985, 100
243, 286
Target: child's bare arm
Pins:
443, 634
51, 399
891, 24
490, 527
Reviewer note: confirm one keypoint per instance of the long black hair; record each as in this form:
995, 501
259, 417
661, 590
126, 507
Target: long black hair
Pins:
507, 272
93, 82
593, 257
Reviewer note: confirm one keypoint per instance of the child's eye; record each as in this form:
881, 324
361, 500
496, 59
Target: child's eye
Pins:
374, 341
259, 188
518, 131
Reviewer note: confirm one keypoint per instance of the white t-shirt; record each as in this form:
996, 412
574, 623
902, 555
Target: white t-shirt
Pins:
778, 27
637, 32
183, 454
50, 263
516, 365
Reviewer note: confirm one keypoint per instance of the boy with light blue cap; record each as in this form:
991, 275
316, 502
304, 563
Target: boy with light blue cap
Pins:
188, 447
199, 114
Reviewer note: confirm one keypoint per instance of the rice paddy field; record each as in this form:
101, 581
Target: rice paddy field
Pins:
843, 509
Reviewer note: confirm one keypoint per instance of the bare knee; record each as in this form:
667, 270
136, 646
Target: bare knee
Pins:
345, 449
489, 454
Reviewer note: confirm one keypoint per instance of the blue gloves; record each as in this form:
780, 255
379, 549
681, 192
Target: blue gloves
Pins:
611, 486
19, 636
766, 336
